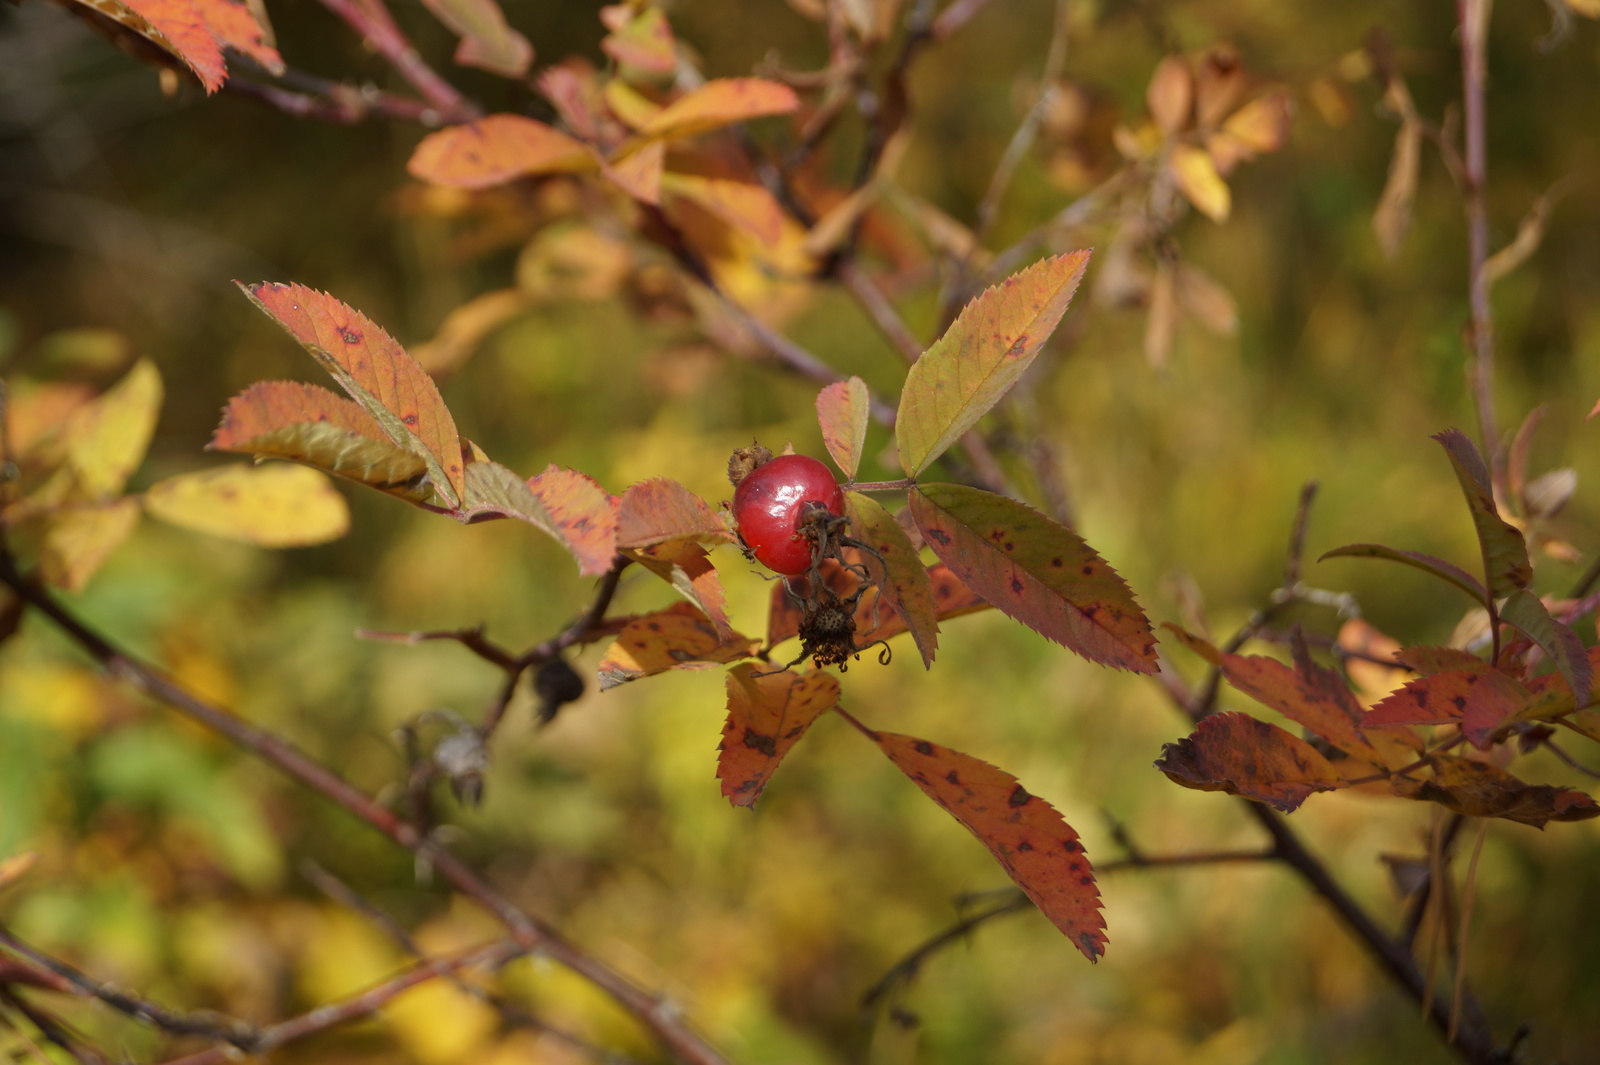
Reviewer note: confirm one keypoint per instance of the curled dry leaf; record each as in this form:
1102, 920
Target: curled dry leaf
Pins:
1029, 838
981, 355
1241, 755
843, 409
679, 637
1478, 789
276, 505
687, 567
766, 717
1036, 571
494, 150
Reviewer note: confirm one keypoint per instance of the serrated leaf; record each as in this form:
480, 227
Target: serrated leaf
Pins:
1478, 698
1195, 173
583, 516
1036, 571
983, 353
376, 371
107, 439
494, 150
741, 204
1527, 613
951, 599
1478, 789
680, 637
235, 26
1242, 755
177, 27
1427, 563
291, 420
487, 42
687, 567
843, 409
905, 585
76, 543
493, 491
661, 510
1431, 660
1029, 838
276, 505
766, 717
721, 102
1505, 554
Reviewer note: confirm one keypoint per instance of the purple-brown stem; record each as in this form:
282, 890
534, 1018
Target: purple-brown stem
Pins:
377, 28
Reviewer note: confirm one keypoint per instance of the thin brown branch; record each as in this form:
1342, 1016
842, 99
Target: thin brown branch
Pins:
302, 95
53, 1029
377, 27
879, 309
472, 639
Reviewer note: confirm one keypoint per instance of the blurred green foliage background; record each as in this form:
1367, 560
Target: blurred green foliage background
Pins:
173, 865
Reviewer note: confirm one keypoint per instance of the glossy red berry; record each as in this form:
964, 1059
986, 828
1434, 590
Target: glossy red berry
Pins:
769, 503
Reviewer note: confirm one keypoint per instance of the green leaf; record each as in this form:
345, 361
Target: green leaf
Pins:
1524, 610
981, 356
1505, 554
1036, 571
1427, 563
906, 587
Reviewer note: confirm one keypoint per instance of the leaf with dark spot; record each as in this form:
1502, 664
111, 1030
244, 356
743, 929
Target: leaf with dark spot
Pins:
1241, 755
1478, 789
905, 586
766, 717
679, 637
1479, 699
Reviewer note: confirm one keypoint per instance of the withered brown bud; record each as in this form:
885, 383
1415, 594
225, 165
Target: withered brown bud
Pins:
744, 460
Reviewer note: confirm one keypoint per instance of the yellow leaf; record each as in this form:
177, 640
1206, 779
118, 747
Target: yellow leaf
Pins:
1197, 178
277, 505
77, 542
107, 440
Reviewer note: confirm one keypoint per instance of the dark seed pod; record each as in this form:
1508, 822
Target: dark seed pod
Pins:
828, 632
556, 684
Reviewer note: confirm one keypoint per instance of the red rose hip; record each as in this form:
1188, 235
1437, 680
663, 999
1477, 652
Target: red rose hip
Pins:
768, 506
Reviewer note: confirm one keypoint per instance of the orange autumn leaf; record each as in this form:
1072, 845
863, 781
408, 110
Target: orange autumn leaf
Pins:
1242, 755
1478, 789
1033, 844
388, 383
721, 102
687, 567
744, 205
234, 26
495, 150
680, 637
193, 32
843, 409
576, 516
767, 715
639, 172
661, 509
1479, 699
583, 513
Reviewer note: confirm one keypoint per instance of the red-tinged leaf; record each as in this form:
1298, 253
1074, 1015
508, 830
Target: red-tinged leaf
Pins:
1528, 614
1031, 841
687, 567
487, 42
679, 637
843, 409
291, 420
572, 89
742, 204
1479, 699
584, 515
951, 599
719, 103
1505, 554
76, 543
766, 717
1036, 571
493, 491
378, 374
495, 150
1431, 660
640, 39
1427, 563
276, 505
661, 510
1241, 755
235, 26
107, 439
903, 581
1478, 789
639, 172
981, 356
177, 27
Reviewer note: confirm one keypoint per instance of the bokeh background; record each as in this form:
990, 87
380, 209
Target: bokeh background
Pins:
171, 864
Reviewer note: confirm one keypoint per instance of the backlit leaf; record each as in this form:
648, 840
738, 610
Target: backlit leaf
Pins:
276, 505
721, 102
494, 150
1479, 699
679, 637
842, 411
981, 356
766, 717
742, 204
77, 542
1031, 841
234, 26
1427, 563
1242, 755
905, 587
1478, 789
583, 514
376, 371
687, 567
487, 42
493, 491
106, 440
659, 510
1036, 571
1505, 553
1195, 174
291, 420
177, 27
1524, 610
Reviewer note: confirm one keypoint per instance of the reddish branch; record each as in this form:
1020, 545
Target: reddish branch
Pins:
377, 28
